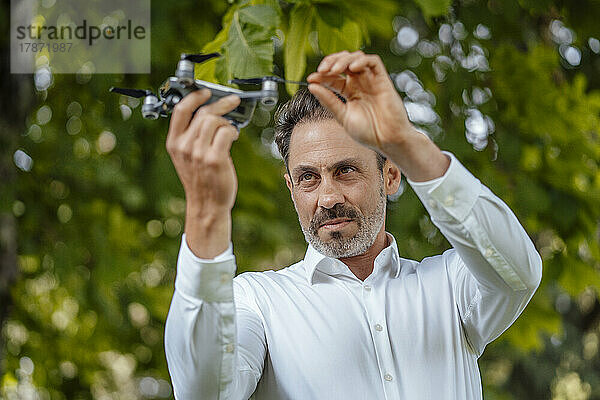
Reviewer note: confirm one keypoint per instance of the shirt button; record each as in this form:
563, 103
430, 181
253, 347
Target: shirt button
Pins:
368, 288
378, 327
432, 203
388, 377
229, 348
449, 200
489, 252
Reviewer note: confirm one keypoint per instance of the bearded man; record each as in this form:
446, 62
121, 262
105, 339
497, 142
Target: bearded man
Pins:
352, 320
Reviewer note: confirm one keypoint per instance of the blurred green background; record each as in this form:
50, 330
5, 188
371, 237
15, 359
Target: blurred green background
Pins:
91, 211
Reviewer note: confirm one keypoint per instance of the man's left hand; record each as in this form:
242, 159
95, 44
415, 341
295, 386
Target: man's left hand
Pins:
373, 114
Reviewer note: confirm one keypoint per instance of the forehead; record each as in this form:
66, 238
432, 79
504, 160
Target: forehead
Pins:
321, 143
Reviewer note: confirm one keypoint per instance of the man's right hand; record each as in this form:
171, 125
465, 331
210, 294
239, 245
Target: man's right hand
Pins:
199, 145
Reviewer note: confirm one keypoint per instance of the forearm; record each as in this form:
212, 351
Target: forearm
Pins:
495, 247
208, 232
201, 324
482, 228
417, 156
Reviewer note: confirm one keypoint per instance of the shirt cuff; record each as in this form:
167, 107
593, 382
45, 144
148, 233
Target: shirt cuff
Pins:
450, 196
205, 279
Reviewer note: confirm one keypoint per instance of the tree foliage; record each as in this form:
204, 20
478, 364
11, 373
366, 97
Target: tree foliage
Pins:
511, 87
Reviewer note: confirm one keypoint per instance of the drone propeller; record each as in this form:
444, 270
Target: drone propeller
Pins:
137, 93
199, 58
258, 81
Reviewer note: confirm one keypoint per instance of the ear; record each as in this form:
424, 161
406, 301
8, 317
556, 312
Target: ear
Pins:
289, 184
391, 177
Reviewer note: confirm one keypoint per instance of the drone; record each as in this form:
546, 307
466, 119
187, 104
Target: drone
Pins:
175, 88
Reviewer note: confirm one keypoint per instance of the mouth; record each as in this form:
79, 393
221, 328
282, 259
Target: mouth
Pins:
335, 223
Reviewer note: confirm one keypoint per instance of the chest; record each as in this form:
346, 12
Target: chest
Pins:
355, 324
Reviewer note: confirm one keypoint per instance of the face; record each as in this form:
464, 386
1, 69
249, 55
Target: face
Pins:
337, 188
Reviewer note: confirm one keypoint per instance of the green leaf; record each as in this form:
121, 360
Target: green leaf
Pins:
274, 4
248, 51
432, 8
261, 15
337, 31
374, 20
207, 71
294, 53
331, 15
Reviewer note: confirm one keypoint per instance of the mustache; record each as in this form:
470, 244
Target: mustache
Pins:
337, 211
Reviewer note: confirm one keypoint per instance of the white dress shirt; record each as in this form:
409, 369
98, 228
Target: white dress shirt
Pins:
410, 330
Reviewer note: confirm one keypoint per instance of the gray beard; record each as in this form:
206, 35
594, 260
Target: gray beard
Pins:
340, 247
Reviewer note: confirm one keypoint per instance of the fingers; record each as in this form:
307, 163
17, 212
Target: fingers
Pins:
183, 111
369, 61
208, 119
330, 100
333, 82
201, 130
224, 138
348, 63
329, 61
221, 106
341, 63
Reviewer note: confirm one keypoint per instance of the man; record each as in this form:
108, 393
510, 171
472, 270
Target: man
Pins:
352, 320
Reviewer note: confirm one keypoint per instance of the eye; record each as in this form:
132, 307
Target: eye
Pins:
306, 177
346, 169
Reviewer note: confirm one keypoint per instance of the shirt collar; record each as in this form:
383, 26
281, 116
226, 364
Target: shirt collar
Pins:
388, 258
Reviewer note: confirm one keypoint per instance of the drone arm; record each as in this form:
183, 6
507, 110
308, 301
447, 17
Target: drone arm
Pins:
255, 94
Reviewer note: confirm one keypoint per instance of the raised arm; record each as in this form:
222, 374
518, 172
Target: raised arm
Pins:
199, 145
495, 269
215, 347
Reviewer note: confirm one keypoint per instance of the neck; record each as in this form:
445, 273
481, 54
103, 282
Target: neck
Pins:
362, 265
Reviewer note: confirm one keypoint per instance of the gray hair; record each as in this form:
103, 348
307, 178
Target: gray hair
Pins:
302, 107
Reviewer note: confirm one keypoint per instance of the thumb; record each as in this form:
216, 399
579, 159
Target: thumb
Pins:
330, 100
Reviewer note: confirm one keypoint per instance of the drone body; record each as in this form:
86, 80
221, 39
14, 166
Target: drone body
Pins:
183, 83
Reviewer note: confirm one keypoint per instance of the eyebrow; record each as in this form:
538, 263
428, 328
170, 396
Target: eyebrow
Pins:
353, 161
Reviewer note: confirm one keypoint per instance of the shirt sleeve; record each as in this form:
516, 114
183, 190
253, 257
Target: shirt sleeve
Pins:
495, 268
205, 356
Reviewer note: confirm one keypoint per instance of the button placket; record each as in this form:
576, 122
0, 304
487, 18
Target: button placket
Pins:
376, 313
373, 314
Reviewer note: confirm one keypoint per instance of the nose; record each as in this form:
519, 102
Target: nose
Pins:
329, 194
